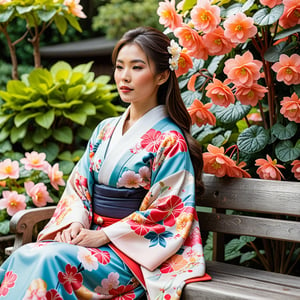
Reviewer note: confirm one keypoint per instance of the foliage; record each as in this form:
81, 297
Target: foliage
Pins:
118, 16
256, 118
54, 111
27, 182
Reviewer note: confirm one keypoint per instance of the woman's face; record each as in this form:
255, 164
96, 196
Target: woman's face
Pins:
135, 77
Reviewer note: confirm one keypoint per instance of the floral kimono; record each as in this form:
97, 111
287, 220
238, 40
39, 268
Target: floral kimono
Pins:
156, 248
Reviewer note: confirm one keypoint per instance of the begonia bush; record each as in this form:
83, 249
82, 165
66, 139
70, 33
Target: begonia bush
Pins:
239, 72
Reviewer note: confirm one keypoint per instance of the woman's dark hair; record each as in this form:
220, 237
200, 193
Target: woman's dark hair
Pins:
155, 45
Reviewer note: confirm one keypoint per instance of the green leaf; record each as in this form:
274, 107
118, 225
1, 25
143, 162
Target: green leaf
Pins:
63, 134
84, 132
46, 119
40, 79
88, 108
40, 135
63, 105
74, 92
263, 18
18, 133
66, 166
288, 32
232, 113
73, 22
285, 151
188, 97
253, 139
51, 149
60, 66
273, 53
4, 133
77, 117
24, 9
35, 104
247, 256
188, 4
247, 5
61, 24
4, 119
24, 116
4, 227
284, 132
46, 15
5, 146
4, 16
84, 68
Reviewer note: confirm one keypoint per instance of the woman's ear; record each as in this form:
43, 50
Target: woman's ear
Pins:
163, 77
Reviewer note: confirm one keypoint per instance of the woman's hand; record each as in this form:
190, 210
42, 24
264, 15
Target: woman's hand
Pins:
90, 238
66, 235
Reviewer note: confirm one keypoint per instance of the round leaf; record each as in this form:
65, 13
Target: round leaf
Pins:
284, 133
46, 119
285, 151
263, 18
253, 139
63, 134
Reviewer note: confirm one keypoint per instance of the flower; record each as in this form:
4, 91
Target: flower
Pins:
246, 70
174, 51
269, 169
184, 63
167, 14
75, 8
296, 168
28, 182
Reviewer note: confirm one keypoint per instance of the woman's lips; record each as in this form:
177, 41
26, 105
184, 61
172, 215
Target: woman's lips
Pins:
125, 89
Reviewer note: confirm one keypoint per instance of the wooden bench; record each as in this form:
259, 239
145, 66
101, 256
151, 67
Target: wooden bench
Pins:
269, 199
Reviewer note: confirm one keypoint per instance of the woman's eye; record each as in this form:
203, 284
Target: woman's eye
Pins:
137, 67
119, 67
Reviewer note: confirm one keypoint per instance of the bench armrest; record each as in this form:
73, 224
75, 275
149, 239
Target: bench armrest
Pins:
23, 222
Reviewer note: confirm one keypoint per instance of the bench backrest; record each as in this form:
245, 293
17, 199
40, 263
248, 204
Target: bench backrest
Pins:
273, 209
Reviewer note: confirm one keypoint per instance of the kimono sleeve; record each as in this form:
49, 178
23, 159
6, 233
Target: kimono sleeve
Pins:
159, 229
75, 203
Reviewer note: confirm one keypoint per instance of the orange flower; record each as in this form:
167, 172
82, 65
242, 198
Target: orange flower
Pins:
239, 28
288, 69
192, 41
269, 169
184, 63
219, 93
291, 14
296, 169
217, 43
291, 108
270, 3
238, 172
243, 69
250, 95
75, 8
168, 16
200, 113
205, 16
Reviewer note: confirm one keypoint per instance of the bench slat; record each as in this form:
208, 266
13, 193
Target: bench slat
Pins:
251, 226
251, 195
235, 282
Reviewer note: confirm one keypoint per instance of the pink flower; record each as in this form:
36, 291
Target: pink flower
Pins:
291, 14
205, 17
250, 95
35, 161
296, 169
13, 202
216, 43
269, 169
38, 192
270, 3
9, 169
291, 108
7, 283
184, 63
75, 8
167, 14
288, 69
130, 179
243, 69
239, 28
192, 41
200, 113
71, 280
220, 93
56, 176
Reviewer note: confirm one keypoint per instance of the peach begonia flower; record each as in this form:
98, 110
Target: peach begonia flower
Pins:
216, 162
269, 169
291, 14
200, 113
38, 192
205, 17
254, 117
13, 202
288, 69
243, 69
9, 169
270, 3
35, 161
220, 93
216, 43
192, 41
55, 176
75, 8
239, 28
296, 169
184, 63
291, 108
250, 95
168, 16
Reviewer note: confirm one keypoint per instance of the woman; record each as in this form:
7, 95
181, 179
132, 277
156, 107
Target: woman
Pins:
126, 222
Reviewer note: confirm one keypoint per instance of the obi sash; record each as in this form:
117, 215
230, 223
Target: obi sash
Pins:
116, 202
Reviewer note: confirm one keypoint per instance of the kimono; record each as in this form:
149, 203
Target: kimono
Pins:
156, 248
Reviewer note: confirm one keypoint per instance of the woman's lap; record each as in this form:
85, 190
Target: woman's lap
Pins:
48, 268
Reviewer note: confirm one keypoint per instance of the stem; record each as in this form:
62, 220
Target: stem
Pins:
261, 257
